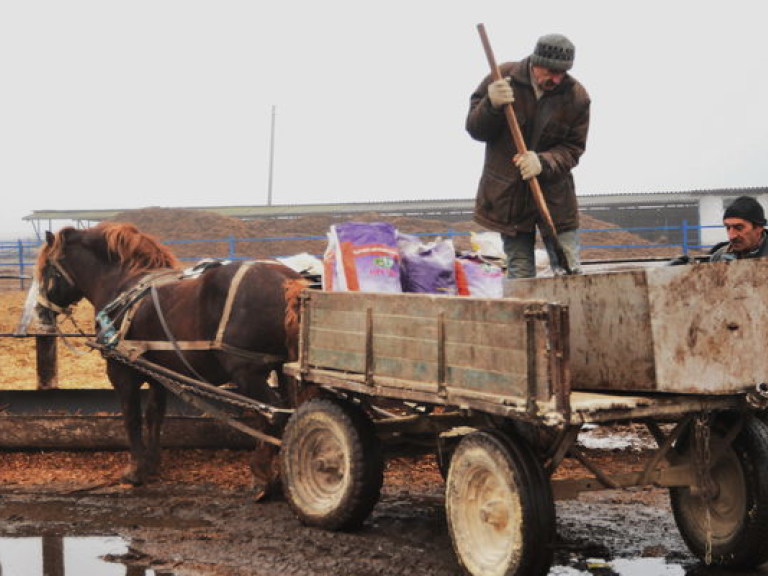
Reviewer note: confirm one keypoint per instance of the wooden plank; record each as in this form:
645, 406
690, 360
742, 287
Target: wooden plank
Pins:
464, 334
493, 382
343, 360
336, 339
490, 310
352, 321
412, 359
486, 333
107, 433
485, 345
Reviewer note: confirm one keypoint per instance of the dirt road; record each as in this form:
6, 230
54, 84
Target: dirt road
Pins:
198, 519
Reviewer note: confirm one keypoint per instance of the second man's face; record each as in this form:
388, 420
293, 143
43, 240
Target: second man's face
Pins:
743, 235
545, 78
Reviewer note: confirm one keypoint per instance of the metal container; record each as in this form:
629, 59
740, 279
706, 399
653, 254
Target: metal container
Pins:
682, 329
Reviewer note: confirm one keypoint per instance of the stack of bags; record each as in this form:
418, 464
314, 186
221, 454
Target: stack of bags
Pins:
375, 257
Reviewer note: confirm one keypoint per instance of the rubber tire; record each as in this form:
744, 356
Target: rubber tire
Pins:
490, 467
739, 514
342, 494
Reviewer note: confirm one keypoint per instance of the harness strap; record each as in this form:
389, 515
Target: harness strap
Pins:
227, 312
136, 348
45, 303
56, 264
126, 304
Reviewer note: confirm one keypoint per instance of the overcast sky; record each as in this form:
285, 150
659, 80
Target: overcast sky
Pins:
109, 104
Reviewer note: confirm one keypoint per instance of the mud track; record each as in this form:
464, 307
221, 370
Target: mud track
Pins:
199, 518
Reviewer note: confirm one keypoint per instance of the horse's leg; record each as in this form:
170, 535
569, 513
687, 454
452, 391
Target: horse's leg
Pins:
253, 382
130, 403
154, 416
129, 391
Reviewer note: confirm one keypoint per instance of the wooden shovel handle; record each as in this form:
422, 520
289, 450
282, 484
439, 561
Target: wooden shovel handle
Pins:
547, 226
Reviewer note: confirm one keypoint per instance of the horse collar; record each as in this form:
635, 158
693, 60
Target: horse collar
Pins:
108, 335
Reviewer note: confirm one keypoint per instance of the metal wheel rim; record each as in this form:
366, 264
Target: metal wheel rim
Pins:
323, 468
489, 518
723, 515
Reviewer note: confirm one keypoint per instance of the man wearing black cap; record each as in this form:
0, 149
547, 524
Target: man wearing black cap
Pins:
552, 109
744, 221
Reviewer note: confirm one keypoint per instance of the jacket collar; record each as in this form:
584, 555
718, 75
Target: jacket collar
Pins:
755, 253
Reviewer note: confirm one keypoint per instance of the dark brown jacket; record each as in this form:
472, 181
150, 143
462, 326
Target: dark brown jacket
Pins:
555, 127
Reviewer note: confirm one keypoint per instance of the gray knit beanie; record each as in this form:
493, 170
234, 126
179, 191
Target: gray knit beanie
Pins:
554, 51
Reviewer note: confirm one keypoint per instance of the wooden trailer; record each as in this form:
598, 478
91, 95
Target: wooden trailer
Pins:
489, 385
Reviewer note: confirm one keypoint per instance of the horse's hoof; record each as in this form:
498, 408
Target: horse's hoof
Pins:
266, 488
153, 470
264, 492
261, 493
132, 477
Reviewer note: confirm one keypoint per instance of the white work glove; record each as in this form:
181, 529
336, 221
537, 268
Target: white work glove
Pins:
500, 93
528, 163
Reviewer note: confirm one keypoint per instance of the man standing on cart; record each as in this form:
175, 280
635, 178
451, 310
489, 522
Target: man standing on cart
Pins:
552, 109
744, 222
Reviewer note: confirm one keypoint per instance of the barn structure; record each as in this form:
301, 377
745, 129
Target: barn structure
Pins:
701, 210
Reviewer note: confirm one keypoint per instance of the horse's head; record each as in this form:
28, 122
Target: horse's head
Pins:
57, 289
95, 263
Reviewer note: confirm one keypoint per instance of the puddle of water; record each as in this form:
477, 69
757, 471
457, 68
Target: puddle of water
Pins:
622, 567
645, 567
68, 556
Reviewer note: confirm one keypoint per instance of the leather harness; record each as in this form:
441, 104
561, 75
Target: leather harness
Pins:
131, 299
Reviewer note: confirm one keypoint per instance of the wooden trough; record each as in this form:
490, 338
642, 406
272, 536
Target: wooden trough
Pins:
89, 419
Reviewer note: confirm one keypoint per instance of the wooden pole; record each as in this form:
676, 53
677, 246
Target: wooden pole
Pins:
546, 225
47, 369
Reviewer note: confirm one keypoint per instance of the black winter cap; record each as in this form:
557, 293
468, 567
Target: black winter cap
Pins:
746, 208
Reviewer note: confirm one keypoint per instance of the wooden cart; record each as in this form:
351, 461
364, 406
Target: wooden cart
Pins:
488, 385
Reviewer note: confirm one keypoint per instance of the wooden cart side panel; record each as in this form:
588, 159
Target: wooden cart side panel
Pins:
482, 344
710, 329
610, 317
506, 350
676, 329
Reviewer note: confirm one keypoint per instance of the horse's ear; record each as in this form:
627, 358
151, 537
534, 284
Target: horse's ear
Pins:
49, 237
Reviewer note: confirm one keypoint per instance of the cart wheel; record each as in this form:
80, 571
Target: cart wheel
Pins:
331, 464
735, 521
499, 507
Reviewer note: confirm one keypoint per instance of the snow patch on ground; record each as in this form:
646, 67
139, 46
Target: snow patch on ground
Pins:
616, 438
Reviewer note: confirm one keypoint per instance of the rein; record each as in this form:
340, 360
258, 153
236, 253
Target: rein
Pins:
171, 337
43, 299
60, 334
66, 312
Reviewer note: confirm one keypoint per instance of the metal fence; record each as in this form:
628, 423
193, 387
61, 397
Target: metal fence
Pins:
17, 258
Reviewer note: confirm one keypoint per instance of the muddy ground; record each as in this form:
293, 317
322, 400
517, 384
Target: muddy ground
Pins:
199, 518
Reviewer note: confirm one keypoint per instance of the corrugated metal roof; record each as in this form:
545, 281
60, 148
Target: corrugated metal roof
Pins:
285, 210
405, 206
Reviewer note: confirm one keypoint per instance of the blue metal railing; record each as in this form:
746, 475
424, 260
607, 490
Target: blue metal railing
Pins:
17, 258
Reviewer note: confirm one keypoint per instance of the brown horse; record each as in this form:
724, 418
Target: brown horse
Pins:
239, 321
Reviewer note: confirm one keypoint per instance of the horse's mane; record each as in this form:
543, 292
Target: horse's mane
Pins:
137, 251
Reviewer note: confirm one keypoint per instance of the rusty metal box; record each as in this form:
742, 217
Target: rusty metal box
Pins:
682, 329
